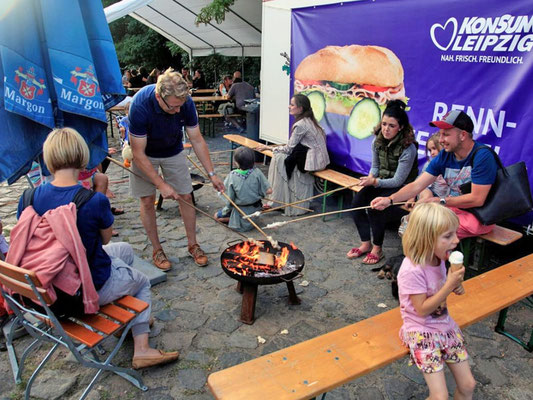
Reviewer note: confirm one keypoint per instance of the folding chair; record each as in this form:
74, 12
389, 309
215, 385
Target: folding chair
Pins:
81, 335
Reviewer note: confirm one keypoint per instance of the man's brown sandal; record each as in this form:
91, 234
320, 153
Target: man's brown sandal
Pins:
198, 255
160, 260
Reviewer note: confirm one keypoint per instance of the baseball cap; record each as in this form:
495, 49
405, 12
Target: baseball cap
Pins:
455, 118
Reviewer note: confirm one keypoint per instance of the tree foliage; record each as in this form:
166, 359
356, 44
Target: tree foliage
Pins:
215, 10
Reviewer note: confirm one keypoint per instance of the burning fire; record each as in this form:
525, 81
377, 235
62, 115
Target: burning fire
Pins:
247, 258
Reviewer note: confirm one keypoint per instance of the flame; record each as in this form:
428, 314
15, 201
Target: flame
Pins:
282, 259
293, 246
245, 263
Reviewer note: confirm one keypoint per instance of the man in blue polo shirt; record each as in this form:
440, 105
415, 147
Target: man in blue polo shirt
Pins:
159, 115
456, 165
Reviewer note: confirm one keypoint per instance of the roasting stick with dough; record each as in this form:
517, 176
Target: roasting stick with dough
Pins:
281, 202
257, 213
269, 238
281, 223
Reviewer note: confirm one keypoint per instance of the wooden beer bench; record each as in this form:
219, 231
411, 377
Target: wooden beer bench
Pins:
499, 235
211, 119
318, 365
328, 175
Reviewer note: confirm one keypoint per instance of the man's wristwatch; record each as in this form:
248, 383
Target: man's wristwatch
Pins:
211, 174
442, 201
391, 202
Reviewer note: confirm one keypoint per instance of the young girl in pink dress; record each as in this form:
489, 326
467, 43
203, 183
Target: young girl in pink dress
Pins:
428, 330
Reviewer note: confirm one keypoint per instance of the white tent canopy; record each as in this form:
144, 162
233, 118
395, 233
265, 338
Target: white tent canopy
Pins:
238, 35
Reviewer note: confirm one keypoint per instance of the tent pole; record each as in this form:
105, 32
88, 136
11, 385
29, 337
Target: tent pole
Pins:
242, 62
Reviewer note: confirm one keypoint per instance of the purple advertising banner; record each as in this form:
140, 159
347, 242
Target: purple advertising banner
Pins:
436, 55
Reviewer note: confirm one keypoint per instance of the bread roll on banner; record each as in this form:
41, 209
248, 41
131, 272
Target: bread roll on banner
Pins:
356, 81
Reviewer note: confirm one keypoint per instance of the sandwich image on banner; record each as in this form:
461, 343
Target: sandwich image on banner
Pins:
353, 82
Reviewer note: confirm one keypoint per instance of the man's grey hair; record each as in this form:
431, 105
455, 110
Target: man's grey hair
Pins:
171, 83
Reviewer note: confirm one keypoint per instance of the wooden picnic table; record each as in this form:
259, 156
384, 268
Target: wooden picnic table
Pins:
204, 99
203, 91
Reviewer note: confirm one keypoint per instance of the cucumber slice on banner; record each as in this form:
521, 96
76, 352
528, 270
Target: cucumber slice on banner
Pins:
340, 86
318, 104
365, 116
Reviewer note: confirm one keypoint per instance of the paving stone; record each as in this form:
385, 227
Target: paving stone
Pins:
193, 379
481, 331
492, 372
399, 388
222, 281
190, 320
412, 373
198, 356
230, 359
176, 340
167, 315
137, 239
207, 272
223, 323
242, 340
314, 292
333, 283
369, 393
520, 394
50, 385
212, 340
181, 276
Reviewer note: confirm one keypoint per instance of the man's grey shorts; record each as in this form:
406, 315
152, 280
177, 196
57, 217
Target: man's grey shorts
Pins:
175, 172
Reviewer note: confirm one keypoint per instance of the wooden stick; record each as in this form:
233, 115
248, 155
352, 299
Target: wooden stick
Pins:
281, 223
233, 204
310, 198
213, 218
123, 167
220, 151
281, 202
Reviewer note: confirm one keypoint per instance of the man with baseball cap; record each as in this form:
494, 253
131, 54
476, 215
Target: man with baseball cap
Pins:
456, 165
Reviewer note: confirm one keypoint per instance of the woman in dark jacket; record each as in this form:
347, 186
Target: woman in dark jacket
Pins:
394, 164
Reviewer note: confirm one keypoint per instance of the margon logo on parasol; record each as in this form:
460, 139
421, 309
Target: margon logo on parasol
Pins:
29, 86
23, 102
505, 33
87, 104
86, 81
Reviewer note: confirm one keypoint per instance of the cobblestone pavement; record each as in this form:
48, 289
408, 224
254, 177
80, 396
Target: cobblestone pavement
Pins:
196, 311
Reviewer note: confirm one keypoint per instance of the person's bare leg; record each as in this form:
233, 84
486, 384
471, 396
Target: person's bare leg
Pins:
365, 246
141, 347
149, 222
465, 382
100, 182
437, 386
188, 214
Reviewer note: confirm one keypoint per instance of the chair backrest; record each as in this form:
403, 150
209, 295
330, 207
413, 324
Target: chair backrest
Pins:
14, 278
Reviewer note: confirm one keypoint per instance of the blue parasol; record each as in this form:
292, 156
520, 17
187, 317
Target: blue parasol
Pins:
58, 67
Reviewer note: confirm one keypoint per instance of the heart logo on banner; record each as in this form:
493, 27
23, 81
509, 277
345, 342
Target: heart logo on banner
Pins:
453, 22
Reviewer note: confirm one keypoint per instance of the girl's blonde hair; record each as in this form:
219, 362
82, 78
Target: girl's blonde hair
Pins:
427, 222
171, 83
65, 148
435, 140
